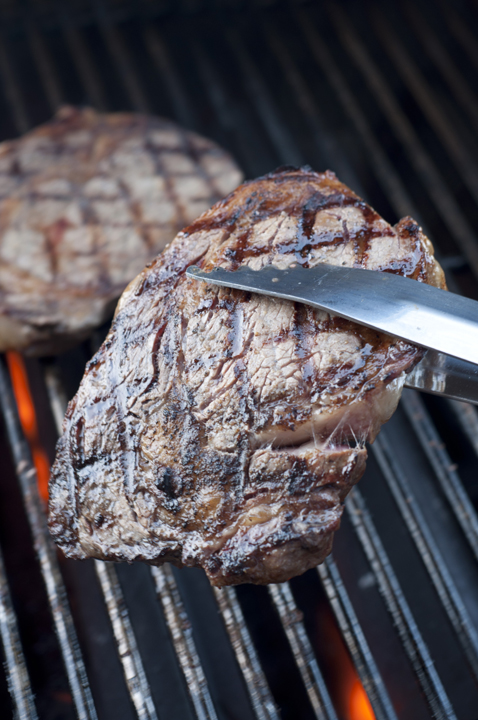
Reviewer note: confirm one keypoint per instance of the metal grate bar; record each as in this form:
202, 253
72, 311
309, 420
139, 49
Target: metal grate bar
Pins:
445, 471
46, 554
467, 416
428, 549
425, 167
324, 141
281, 138
129, 654
291, 619
167, 71
442, 59
259, 693
426, 99
84, 64
45, 67
384, 170
17, 674
183, 641
355, 639
11, 89
122, 59
130, 657
465, 38
410, 636
231, 116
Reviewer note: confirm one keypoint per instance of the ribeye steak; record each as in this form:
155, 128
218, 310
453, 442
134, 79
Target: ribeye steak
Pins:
86, 200
224, 429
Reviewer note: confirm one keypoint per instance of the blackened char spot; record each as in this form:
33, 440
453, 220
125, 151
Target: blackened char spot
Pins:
170, 484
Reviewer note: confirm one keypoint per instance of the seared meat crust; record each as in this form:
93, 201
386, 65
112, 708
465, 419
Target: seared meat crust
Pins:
86, 201
224, 429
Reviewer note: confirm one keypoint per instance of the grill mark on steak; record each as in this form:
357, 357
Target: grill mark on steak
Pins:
232, 425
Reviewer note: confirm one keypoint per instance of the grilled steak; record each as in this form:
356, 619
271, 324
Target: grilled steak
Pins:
85, 202
224, 429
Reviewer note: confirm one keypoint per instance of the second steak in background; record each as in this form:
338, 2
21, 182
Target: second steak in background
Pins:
86, 200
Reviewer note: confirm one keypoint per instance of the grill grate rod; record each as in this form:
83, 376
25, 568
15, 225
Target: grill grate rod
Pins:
463, 36
442, 59
183, 640
428, 549
392, 594
46, 553
467, 416
291, 619
355, 639
122, 59
17, 673
257, 90
130, 657
45, 67
425, 167
83, 63
441, 463
261, 698
324, 141
167, 71
426, 99
383, 168
232, 117
11, 90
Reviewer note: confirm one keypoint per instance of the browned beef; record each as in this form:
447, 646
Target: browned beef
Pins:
224, 429
85, 202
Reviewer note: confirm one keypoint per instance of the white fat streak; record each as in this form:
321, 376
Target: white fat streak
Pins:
238, 326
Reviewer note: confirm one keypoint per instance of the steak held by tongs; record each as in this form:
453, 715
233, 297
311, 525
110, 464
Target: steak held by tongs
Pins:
221, 428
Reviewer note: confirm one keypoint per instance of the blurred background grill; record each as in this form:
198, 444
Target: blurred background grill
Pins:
386, 95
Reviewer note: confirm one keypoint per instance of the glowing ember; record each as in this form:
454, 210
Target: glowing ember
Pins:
26, 412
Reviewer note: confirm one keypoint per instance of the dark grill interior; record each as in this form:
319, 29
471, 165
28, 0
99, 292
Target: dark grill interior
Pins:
385, 94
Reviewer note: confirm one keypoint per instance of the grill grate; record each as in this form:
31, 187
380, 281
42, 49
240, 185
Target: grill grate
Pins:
393, 113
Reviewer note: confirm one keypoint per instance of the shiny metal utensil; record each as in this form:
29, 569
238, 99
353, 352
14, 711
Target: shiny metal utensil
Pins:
443, 322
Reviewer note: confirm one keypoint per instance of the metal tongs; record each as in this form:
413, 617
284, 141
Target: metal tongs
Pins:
443, 322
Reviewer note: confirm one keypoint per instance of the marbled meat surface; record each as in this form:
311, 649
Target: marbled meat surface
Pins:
224, 429
86, 200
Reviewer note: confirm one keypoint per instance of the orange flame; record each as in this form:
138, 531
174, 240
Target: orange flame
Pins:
26, 412
359, 704
346, 690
